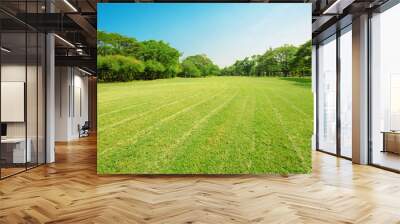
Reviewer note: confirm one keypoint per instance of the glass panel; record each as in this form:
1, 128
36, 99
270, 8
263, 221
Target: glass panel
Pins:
32, 87
14, 151
385, 89
327, 95
31, 98
22, 88
41, 99
346, 92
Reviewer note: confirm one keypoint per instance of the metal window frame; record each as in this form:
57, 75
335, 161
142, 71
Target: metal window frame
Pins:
381, 9
339, 32
387, 5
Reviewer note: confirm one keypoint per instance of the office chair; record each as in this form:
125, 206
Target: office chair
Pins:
84, 130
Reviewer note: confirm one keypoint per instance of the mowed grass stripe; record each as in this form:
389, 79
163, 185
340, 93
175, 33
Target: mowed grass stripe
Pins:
230, 125
153, 142
114, 94
158, 120
137, 95
298, 95
122, 118
162, 148
303, 126
198, 124
293, 106
230, 141
156, 102
272, 142
218, 147
284, 127
295, 128
136, 128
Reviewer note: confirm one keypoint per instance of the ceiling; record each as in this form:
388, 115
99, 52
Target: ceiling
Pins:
74, 21
330, 15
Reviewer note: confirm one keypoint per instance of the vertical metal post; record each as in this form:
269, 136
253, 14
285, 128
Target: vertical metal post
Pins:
338, 73
26, 86
37, 89
317, 97
0, 94
369, 101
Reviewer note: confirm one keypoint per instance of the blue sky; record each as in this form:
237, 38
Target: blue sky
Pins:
225, 32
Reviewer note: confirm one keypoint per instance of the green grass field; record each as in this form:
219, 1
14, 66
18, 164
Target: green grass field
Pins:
216, 125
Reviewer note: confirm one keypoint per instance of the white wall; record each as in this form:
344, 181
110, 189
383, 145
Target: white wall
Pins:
33, 127
62, 82
70, 83
81, 81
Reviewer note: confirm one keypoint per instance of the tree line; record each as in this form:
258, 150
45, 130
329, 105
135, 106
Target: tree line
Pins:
123, 58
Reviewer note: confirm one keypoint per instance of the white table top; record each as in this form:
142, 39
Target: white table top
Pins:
13, 140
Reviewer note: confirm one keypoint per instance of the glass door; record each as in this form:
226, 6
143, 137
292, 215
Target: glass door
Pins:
327, 95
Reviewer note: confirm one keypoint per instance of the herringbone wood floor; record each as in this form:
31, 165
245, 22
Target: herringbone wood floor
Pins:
69, 191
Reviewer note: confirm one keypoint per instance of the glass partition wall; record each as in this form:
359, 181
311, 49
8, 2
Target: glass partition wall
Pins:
334, 104
345, 91
327, 95
22, 78
385, 89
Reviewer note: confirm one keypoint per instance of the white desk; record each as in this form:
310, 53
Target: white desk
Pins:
19, 155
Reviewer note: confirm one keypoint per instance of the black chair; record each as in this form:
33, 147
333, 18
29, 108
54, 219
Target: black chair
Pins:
84, 130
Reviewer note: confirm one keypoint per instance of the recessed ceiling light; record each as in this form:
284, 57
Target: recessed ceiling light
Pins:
338, 6
5, 50
70, 5
86, 72
64, 40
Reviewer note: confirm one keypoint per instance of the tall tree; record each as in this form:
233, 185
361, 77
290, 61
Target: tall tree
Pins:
301, 62
202, 63
284, 56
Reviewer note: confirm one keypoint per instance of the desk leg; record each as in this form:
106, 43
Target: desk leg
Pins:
384, 142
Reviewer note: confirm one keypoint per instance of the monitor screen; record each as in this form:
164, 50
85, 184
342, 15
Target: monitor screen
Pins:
3, 129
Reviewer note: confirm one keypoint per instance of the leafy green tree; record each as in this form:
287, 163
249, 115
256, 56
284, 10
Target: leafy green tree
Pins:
284, 56
189, 69
104, 68
118, 68
301, 62
244, 67
113, 43
153, 70
202, 63
173, 71
267, 64
122, 58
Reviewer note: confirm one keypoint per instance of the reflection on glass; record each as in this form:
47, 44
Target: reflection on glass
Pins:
15, 151
327, 95
346, 92
41, 99
31, 101
385, 92
22, 90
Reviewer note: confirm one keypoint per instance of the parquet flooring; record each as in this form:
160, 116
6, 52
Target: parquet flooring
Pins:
70, 191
